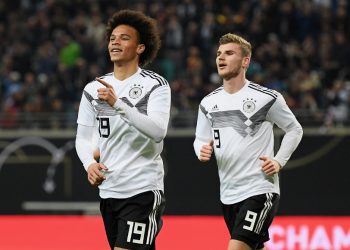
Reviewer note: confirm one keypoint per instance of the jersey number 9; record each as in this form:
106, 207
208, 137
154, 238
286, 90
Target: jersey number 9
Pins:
217, 138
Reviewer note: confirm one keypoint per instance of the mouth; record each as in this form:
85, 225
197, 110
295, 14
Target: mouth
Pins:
221, 65
115, 50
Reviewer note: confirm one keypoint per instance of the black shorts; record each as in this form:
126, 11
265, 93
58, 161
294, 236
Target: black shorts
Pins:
133, 223
250, 219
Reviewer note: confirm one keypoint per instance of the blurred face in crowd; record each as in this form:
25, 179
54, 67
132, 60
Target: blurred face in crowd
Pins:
230, 61
124, 45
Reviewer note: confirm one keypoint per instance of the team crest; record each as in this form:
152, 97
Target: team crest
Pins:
249, 105
135, 91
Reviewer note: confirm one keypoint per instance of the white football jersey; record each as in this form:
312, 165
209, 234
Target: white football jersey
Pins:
132, 158
241, 126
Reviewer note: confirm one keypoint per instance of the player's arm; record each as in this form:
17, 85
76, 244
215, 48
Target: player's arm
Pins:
85, 146
285, 119
86, 150
86, 142
154, 125
203, 143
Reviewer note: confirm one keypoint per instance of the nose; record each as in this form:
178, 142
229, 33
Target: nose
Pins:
220, 57
116, 40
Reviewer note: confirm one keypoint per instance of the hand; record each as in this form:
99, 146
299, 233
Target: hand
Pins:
206, 152
95, 175
270, 166
106, 94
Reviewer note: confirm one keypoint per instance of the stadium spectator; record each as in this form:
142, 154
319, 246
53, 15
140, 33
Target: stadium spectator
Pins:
285, 34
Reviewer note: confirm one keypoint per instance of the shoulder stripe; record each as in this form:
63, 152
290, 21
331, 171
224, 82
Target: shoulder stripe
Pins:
155, 76
215, 91
150, 72
263, 90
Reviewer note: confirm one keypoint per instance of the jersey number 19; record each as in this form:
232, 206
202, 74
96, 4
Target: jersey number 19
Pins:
103, 126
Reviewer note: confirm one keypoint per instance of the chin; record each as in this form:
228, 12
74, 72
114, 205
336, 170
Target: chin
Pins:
114, 60
229, 75
224, 74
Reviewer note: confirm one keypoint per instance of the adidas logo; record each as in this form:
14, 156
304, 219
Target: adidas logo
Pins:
215, 108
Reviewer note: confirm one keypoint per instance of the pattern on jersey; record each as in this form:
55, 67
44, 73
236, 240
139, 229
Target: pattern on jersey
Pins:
102, 107
262, 89
203, 109
141, 105
215, 91
124, 99
154, 76
231, 118
259, 117
238, 121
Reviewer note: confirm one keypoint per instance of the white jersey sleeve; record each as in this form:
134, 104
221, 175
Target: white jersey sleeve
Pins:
203, 131
85, 144
86, 137
86, 113
283, 117
155, 123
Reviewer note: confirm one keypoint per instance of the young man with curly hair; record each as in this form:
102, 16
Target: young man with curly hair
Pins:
130, 109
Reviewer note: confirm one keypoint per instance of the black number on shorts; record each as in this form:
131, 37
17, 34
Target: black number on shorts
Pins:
217, 138
103, 127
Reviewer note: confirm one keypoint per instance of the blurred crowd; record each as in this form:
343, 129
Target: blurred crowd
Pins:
50, 49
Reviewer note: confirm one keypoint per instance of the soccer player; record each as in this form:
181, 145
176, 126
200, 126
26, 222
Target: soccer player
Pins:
130, 109
236, 122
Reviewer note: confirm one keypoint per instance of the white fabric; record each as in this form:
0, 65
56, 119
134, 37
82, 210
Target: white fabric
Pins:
131, 132
85, 144
155, 123
241, 125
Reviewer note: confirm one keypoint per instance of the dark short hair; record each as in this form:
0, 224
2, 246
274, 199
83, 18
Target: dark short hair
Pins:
147, 31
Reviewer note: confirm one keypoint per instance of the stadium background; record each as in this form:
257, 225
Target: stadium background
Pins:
51, 49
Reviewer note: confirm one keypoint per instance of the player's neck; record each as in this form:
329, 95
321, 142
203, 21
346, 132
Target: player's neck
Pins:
124, 71
234, 84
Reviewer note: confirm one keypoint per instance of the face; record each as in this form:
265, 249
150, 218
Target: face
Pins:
230, 61
124, 45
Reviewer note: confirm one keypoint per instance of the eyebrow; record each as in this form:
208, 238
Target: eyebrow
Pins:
225, 51
121, 35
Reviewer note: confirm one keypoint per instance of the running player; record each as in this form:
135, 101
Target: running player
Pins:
130, 109
236, 122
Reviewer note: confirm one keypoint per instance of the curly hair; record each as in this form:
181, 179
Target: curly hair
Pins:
147, 31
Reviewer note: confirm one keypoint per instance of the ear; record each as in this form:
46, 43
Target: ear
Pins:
140, 49
246, 62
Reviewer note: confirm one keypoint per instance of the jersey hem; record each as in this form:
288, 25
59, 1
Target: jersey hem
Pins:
104, 194
234, 201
